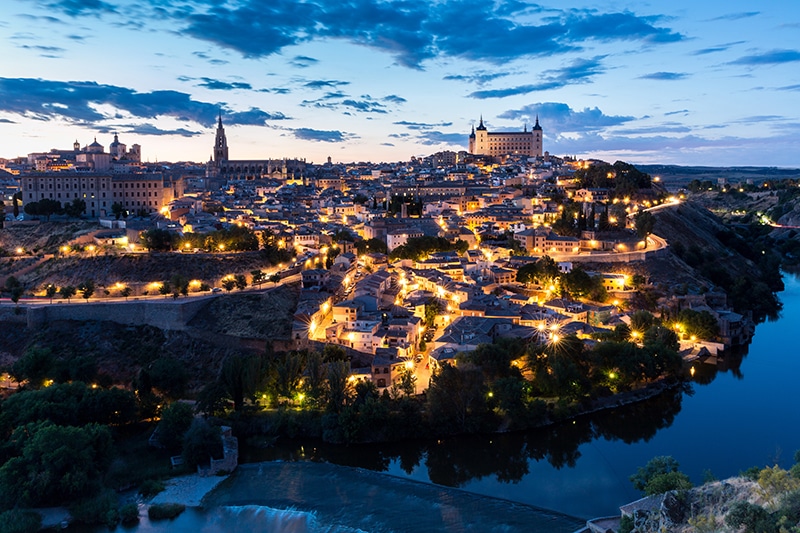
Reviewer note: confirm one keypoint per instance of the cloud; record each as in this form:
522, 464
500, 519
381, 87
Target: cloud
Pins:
340, 101
47, 51
308, 134
422, 125
678, 112
325, 84
665, 76
736, 16
478, 78
773, 57
81, 101
719, 48
393, 98
203, 55
303, 61
410, 31
210, 83
790, 88
150, 129
75, 8
41, 18
434, 137
579, 71
7, 121
557, 118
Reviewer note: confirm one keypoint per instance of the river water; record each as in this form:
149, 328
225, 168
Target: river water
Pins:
740, 413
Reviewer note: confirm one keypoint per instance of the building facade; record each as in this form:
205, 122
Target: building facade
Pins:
148, 191
502, 143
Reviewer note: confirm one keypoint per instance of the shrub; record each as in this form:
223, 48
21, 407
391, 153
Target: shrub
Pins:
165, 511
752, 517
626, 524
102, 509
16, 521
151, 487
129, 513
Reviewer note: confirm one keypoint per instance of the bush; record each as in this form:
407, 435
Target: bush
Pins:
16, 521
151, 487
753, 517
626, 524
102, 509
129, 513
165, 511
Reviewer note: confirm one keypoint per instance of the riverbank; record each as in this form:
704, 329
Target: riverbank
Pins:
187, 490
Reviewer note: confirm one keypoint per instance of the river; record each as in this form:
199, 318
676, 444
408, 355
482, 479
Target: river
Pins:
733, 416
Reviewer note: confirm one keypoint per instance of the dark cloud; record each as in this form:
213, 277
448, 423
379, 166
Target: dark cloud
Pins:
210, 83
665, 76
6, 121
579, 71
308, 134
340, 101
150, 129
790, 88
557, 118
387, 144
76, 101
736, 16
478, 78
325, 84
303, 61
41, 18
678, 112
75, 8
773, 57
411, 31
393, 98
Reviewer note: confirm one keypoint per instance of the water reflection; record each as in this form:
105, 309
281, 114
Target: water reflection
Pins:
456, 461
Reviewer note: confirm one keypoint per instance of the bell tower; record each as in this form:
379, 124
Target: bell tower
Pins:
220, 143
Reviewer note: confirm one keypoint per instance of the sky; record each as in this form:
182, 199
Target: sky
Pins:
691, 82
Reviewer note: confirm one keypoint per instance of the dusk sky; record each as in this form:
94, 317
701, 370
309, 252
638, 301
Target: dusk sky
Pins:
679, 82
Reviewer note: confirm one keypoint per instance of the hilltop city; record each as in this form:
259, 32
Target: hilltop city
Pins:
410, 263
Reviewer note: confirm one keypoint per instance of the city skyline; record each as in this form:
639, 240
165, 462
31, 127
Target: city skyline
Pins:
692, 83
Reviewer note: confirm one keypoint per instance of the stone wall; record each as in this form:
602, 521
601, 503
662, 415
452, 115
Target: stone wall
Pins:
164, 314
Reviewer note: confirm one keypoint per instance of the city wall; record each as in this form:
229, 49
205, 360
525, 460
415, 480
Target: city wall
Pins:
164, 314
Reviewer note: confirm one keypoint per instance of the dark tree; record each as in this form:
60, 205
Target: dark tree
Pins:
75, 209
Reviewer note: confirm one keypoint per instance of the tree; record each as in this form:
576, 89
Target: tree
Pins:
16, 294
169, 376
164, 289
659, 472
87, 289
125, 292
456, 398
432, 310
34, 366
339, 389
118, 210
67, 292
180, 285
242, 376
258, 277
527, 273
2, 213
644, 223
228, 284
50, 291
75, 209
241, 281
157, 239
45, 207
700, 324
52, 465
275, 278
15, 202
176, 419
201, 443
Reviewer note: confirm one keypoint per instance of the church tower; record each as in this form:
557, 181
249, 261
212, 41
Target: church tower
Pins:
220, 143
537, 138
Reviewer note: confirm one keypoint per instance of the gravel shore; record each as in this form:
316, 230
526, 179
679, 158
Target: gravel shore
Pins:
188, 490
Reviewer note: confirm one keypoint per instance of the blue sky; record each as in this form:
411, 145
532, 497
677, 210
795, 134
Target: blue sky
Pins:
679, 82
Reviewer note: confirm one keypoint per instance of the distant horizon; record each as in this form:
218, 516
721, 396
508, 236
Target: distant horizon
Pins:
689, 83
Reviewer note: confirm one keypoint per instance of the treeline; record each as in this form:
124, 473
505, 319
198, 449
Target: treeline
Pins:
47, 207
510, 384
622, 178
419, 248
